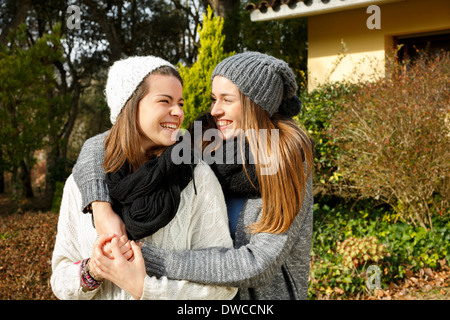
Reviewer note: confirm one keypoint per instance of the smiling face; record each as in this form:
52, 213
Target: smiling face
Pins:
160, 111
226, 107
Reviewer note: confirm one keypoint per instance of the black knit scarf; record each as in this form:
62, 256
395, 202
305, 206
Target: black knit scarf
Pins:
229, 169
235, 181
148, 198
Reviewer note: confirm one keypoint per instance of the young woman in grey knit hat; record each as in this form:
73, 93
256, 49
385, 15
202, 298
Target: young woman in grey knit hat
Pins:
270, 215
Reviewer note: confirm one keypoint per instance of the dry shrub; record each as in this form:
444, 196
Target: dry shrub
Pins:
394, 135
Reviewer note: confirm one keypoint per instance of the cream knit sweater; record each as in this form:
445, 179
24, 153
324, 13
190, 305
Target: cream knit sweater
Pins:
201, 221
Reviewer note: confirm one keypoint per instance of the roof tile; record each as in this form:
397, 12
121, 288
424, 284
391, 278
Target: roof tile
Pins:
263, 5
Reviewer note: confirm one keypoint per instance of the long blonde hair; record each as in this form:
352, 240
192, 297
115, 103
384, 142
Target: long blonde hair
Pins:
282, 192
122, 144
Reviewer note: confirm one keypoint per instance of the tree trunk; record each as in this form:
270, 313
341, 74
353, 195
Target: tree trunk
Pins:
222, 7
50, 172
18, 19
57, 147
2, 176
25, 177
2, 181
15, 190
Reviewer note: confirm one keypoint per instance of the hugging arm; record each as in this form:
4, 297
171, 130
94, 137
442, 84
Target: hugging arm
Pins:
251, 265
89, 176
88, 172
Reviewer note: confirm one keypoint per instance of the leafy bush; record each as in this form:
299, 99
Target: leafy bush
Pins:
394, 247
359, 251
416, 247
319, 108
394, 138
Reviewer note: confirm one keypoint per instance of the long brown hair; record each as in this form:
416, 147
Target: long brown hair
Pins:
282, 192
122, 144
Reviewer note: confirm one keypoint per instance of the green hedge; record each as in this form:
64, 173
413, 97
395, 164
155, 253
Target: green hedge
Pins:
319, 107
402, 247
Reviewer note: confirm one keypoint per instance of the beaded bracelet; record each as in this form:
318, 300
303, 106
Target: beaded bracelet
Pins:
88, 282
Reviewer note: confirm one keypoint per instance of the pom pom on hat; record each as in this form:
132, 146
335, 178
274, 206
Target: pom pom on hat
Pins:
290, 107
124, 77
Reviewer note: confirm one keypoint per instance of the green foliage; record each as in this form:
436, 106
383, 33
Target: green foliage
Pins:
26, 78
197, 79
319, 107
416, 247
359, 251
368, 230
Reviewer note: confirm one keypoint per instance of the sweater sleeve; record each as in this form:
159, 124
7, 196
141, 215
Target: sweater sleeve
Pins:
88, 171
65, 278
166, 289
252, 265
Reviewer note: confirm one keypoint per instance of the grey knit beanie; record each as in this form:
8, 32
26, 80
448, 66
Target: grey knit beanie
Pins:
267, 81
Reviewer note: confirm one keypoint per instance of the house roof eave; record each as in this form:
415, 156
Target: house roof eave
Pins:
276, 10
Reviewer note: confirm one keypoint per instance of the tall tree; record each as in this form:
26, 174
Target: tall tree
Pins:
197, 79
13, 14
26, 78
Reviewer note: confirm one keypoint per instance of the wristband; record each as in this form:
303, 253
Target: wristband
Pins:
88, 282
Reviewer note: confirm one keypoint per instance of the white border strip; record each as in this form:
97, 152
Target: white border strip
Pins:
300, 9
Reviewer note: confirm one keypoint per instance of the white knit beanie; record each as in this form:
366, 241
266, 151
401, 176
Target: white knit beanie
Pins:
124, 77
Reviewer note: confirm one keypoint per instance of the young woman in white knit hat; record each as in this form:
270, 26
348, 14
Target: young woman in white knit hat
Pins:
175, 207
270, 214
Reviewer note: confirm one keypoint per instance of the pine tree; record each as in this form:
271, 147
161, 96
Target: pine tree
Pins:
197, 79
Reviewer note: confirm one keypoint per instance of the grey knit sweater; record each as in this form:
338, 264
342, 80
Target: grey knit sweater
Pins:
262, 265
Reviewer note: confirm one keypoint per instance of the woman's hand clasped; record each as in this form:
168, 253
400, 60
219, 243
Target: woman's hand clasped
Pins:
123, 264
124, 245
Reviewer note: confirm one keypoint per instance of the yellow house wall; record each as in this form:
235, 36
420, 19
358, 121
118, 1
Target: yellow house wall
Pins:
362, 55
